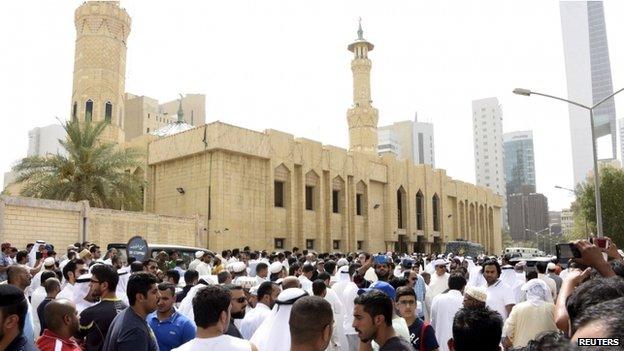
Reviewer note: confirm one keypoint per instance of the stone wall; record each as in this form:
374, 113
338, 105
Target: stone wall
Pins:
24, 220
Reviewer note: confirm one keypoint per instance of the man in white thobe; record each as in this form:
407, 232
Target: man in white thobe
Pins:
444, 307
273, 334
438, 284
267, 294
509, 277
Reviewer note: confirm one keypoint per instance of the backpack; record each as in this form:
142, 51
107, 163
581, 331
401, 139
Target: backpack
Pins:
422, 335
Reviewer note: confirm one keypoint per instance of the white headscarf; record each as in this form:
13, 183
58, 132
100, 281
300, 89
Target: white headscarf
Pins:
273, 334
536, 292
186, 305
343, 274
124, 276
81, 289
32, 255
509, 276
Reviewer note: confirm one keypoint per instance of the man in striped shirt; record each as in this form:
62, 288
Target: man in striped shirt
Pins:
61, 325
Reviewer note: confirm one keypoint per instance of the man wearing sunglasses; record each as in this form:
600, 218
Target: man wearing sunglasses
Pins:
95, 320
239, 303
71, 271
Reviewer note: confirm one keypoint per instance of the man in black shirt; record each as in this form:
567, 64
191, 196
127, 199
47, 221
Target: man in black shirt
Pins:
95, 320
237, 311
13, 310
130, 331
190, 278
372, 320
52, 287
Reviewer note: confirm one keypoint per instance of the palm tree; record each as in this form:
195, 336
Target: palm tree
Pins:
96, 171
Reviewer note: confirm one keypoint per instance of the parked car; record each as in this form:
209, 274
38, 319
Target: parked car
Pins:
187, 253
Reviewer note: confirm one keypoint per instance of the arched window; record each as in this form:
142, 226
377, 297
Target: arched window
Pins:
74, 111
420, 223
108, 112
435, 201
401, 208
89, 110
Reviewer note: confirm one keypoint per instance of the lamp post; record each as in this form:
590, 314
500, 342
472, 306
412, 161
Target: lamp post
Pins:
527, 92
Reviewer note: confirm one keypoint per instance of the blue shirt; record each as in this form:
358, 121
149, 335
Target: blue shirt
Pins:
172, 332
419, 289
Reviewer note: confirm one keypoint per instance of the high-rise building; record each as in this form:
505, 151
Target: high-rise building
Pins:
487, 123
519, 161
102, 29
41, 142
45, 140
414, 139
621, 129
555, 222
388, 143
588, 73
144, 115
528, 214
567, 221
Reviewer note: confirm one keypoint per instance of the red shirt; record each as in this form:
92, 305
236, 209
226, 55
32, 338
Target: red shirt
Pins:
52, 342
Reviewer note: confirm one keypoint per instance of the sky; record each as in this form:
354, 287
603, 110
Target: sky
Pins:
284, 65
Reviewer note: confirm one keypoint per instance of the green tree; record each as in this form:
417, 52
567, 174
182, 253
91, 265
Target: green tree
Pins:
507, 240
99, 172
612, 201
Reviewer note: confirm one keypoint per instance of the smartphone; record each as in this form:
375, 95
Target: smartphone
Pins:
567, 251
38, 255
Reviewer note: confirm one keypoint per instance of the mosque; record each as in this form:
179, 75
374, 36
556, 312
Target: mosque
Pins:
270, 190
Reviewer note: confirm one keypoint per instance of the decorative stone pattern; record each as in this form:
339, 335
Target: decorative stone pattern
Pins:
102, 30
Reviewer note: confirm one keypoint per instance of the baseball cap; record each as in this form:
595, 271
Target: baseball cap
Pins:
382, 286
382, 259
407, 263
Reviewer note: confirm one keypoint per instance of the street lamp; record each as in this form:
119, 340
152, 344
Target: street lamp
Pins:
563, 188
527, 92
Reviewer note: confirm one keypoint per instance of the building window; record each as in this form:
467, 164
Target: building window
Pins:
400, 209
435, 201
419, 211
279, 194
88, 110
360, 244
279, 243
309, 198
108, 112
310, 244
336, 244
358, 204
147, 130
148, 116
75, 111
335, 201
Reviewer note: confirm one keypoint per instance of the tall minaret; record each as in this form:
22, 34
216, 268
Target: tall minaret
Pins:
362, 116
102, 29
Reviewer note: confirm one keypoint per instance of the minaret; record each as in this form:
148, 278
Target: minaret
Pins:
102, 29
180, 111
362, 116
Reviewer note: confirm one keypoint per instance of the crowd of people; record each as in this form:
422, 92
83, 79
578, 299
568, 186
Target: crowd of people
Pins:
302, 300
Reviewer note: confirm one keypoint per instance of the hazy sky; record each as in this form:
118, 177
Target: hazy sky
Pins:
284, 65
